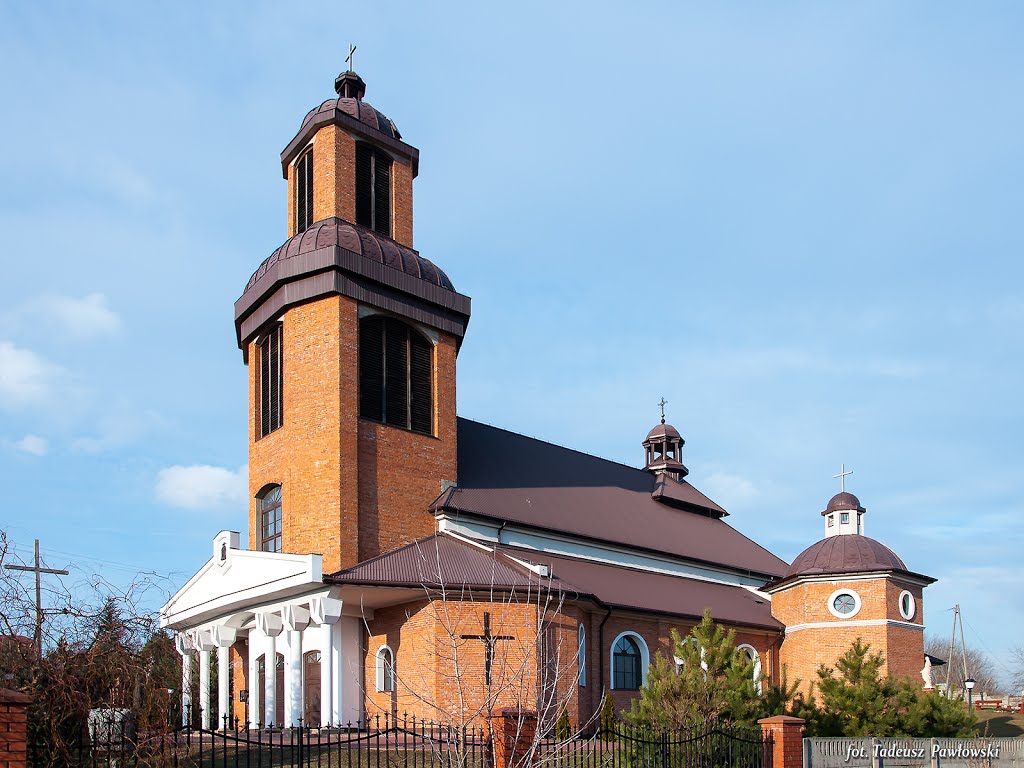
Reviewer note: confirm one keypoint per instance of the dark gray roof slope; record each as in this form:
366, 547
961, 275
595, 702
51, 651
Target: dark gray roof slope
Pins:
509, 477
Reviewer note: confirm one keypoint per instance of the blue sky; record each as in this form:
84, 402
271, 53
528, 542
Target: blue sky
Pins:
799, 223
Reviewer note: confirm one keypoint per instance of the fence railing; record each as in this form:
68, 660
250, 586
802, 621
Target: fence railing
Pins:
390, 741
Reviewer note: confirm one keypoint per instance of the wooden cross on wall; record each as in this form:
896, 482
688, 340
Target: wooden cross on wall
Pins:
488, 640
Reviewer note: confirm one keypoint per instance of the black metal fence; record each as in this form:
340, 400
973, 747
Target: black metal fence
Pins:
389, 741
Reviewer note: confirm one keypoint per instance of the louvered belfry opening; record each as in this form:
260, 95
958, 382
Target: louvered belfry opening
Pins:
373, 188
271, 412
304, 191
395, 374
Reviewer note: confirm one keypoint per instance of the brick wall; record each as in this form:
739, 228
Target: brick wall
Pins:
804, 650
13, 729
334, 162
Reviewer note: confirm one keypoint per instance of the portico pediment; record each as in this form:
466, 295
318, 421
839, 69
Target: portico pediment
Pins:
235, 579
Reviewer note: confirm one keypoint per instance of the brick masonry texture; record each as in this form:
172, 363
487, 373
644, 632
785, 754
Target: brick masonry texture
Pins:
805, 650
13, 730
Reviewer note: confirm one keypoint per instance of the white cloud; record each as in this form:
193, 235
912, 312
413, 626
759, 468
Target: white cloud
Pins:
25, 377
33, 444
728, 490
82, 318
201, 486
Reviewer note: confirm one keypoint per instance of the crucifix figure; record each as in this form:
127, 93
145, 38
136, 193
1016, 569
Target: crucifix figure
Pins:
488, 640
348, 59
842, 478
663, 403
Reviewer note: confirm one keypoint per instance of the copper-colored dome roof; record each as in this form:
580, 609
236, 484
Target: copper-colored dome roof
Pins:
360, 110
663, 430
370, 245
850, 553
842, 500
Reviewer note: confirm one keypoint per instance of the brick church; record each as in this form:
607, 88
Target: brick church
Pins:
401, 558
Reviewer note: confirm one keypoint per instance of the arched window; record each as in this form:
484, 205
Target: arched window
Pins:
373, 188
395, 374
581, 654
755, 661
385, 670
268, 505
304, 191
629, 662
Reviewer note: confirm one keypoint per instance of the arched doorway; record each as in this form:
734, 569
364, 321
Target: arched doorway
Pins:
311, 694
261, 676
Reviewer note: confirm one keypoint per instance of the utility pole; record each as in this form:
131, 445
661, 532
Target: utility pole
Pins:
39, 571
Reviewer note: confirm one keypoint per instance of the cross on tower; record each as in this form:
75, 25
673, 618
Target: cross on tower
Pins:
39, 571
663, 402
351, 53
842, 478
488, 640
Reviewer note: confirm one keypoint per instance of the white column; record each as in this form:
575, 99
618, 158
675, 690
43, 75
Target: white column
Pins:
257, 641
269, 624
186, 687
204, 686
338, 674
270, 678
326, 686
223, 691
293, 678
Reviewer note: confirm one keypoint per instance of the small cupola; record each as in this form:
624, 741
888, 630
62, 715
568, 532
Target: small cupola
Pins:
844, 514
663, 449
349, 85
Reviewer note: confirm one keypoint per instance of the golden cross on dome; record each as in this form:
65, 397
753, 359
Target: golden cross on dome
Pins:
662, 404
842, 478
351, 53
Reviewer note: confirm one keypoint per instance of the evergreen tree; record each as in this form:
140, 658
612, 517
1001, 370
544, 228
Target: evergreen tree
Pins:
709, 680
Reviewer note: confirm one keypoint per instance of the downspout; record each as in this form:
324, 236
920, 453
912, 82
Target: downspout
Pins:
600, 645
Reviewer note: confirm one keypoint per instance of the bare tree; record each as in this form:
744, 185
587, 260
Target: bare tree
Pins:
1017, 654
977, 663
469, 650
102, 649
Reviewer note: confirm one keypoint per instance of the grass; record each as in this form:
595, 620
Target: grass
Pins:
994, 723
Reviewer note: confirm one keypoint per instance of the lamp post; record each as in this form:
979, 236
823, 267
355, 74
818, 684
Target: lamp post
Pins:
969, 685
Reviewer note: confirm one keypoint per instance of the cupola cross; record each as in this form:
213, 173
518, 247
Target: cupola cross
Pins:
662, 403
349, 58
842, 478
488, 640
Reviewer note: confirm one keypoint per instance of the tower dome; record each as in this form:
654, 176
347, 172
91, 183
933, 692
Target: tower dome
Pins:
663, 449
845, 554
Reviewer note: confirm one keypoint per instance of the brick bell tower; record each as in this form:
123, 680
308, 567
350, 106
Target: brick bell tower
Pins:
844, 587
350, 338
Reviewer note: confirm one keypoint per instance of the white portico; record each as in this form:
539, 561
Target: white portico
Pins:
298, 646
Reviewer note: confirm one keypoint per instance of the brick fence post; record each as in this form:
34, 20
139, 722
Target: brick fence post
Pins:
13, 729
787, 734
512, 732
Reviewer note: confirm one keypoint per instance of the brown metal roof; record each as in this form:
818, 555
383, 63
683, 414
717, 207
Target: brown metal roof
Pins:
361, 110
634, 589
512, 478
843, 500
846, 553
357, 239
458, 565
437, 560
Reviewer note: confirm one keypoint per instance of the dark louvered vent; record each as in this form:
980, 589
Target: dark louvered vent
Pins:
364, 185
304, 192
395, 373
371, 368
271, 411
373, 189
420, 395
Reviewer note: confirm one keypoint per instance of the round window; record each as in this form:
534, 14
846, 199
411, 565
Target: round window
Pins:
908, 606
844, 603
